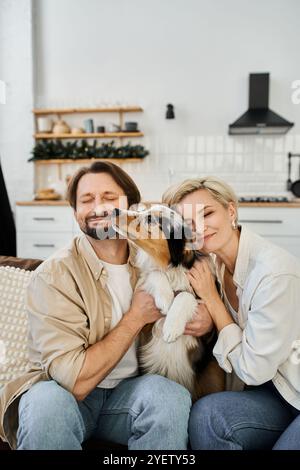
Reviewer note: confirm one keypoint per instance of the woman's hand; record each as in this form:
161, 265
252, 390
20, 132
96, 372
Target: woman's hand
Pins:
203, 283
202, 280
201, 324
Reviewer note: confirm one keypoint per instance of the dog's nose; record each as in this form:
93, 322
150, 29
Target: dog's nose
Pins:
116, 211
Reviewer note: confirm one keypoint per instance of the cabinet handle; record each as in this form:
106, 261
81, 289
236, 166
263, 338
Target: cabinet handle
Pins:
44, 245
43, 218
253, 221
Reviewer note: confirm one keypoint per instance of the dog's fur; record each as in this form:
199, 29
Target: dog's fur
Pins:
163, 261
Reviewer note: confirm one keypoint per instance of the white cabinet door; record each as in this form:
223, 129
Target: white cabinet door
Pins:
41, 245
272, 221
291, 244
44, 218
280, 225
42, 230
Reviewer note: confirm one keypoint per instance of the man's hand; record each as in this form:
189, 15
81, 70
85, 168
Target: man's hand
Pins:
103, 356
143, 308
201, 324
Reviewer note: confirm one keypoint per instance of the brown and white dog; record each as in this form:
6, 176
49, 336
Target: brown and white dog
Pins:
160, 236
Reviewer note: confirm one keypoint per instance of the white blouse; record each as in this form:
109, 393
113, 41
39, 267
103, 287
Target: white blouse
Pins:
260, 345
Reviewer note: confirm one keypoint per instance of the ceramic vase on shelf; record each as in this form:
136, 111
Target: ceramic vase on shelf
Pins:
89, 126
61, 127
44, 124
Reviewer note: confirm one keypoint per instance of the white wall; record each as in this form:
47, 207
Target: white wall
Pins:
196, 54
16, 70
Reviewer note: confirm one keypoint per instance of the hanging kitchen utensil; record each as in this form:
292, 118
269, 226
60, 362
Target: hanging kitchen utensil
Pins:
293, 186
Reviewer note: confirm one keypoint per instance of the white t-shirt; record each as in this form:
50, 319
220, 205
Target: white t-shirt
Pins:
119, 286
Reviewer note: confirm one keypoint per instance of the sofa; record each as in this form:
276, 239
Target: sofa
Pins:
31, 265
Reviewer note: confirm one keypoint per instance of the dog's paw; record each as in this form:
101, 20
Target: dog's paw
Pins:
164, 301
173, 328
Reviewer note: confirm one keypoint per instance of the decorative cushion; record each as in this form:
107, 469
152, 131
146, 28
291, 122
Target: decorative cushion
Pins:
22, 263
13, 323
13, 328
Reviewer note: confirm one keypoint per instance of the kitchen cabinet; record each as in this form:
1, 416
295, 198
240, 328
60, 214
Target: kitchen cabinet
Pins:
43, 229
280, 225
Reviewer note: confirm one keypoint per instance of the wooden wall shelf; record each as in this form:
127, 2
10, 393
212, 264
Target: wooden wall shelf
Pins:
63, 161
108, 109
121, 111
93, 135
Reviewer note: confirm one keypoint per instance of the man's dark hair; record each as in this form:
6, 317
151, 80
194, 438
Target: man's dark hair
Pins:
119, 176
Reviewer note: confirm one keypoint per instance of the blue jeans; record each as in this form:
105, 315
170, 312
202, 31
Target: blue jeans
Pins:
256, 418
148, 412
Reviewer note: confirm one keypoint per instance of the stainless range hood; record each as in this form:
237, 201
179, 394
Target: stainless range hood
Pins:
259, 119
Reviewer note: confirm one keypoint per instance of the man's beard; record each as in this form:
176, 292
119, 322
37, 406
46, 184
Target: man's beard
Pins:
100, 233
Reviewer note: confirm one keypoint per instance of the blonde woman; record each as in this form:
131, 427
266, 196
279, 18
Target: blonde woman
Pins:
258, 325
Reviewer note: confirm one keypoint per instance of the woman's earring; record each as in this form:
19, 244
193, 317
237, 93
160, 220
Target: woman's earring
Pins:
234, 224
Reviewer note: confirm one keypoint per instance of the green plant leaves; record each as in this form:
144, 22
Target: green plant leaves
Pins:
56, 149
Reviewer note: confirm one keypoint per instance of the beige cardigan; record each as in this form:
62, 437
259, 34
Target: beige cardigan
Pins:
69, 309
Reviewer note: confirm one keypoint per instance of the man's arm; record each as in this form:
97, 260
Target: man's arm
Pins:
103, 356
59, 332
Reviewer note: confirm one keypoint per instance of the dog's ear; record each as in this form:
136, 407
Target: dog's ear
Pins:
176, 249
174, 226
177, 233
188, 258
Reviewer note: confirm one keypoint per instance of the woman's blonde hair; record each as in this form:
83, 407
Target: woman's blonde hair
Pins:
220, 191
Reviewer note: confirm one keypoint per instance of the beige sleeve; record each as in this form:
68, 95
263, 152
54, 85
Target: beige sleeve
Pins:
58, 326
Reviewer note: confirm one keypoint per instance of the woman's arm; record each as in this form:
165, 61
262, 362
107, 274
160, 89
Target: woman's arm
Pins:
221, 317
203, 283
273, 324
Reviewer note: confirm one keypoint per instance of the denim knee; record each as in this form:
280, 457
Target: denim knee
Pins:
49, 418
204, 423
166, 396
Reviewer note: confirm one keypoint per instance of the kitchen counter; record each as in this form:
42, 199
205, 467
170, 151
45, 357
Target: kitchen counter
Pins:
292, 204
43, 227
270, 204
43, 203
